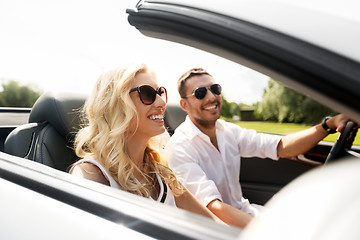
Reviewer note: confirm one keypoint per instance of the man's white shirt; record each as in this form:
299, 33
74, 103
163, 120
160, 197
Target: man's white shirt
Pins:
210, 173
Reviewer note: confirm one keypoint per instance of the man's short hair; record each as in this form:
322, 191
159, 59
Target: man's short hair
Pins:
182, 80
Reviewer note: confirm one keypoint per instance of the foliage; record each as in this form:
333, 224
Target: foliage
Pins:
226, 108
282, 104
230, 109
235, 109
15, 95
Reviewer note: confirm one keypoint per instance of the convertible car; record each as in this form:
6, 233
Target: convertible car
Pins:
309, 46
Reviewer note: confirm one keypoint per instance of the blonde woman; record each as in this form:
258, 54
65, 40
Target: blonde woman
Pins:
120, 142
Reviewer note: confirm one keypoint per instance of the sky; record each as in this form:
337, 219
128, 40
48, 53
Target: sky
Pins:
65, 45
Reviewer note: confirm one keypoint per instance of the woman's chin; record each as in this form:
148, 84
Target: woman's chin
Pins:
161, 130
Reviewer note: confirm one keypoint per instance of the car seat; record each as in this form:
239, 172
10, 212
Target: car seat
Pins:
174, 116
48, 137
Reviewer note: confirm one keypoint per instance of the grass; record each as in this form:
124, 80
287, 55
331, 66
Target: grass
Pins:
285, 128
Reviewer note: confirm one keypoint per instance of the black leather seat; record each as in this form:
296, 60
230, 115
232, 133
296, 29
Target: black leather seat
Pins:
48, 137
174, 116
53, 123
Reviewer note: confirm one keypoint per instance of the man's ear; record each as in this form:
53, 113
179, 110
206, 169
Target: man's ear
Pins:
183, 104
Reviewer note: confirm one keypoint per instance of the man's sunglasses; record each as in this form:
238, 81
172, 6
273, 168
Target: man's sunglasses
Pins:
147, 94
201, 92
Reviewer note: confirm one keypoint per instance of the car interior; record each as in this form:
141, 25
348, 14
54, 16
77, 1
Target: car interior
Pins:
48, 138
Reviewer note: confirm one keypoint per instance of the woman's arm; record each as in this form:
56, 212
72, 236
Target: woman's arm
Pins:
187, 201
217, 210
229, 214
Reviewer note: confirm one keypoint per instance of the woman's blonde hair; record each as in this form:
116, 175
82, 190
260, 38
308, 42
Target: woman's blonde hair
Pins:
107, 116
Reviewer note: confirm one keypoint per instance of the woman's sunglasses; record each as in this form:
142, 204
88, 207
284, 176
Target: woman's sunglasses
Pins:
147, 94
201, 92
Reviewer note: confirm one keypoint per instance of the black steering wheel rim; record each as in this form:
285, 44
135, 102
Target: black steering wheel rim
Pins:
343, 143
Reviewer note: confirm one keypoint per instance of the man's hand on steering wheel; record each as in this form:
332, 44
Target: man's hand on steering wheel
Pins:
347, 130
338, 122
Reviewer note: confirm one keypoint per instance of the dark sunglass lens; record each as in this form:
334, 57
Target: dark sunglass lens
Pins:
200, 93
216, 89
147, 94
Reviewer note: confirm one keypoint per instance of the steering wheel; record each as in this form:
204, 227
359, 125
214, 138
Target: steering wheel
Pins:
343, 144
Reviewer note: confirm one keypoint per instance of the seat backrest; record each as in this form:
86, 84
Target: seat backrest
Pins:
174, 116
53, 122
48, 137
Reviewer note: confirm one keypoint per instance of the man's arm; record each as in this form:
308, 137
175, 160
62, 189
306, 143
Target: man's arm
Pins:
229, 214
297, 143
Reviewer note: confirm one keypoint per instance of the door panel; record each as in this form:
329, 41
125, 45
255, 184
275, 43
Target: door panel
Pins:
4, 131
10, 118
262, 178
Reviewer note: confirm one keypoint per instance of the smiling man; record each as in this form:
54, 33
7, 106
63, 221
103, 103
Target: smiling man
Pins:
206, 151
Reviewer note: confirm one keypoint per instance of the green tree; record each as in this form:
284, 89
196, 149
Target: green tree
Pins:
226, 108
231, 109
283, 104
15, 95
235, 109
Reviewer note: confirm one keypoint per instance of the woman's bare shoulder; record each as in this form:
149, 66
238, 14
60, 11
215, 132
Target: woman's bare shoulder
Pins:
89, 171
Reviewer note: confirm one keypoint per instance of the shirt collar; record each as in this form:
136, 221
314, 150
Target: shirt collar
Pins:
192, 130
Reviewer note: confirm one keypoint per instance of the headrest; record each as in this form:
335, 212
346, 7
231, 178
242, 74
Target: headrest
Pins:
174, 116
61, 110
